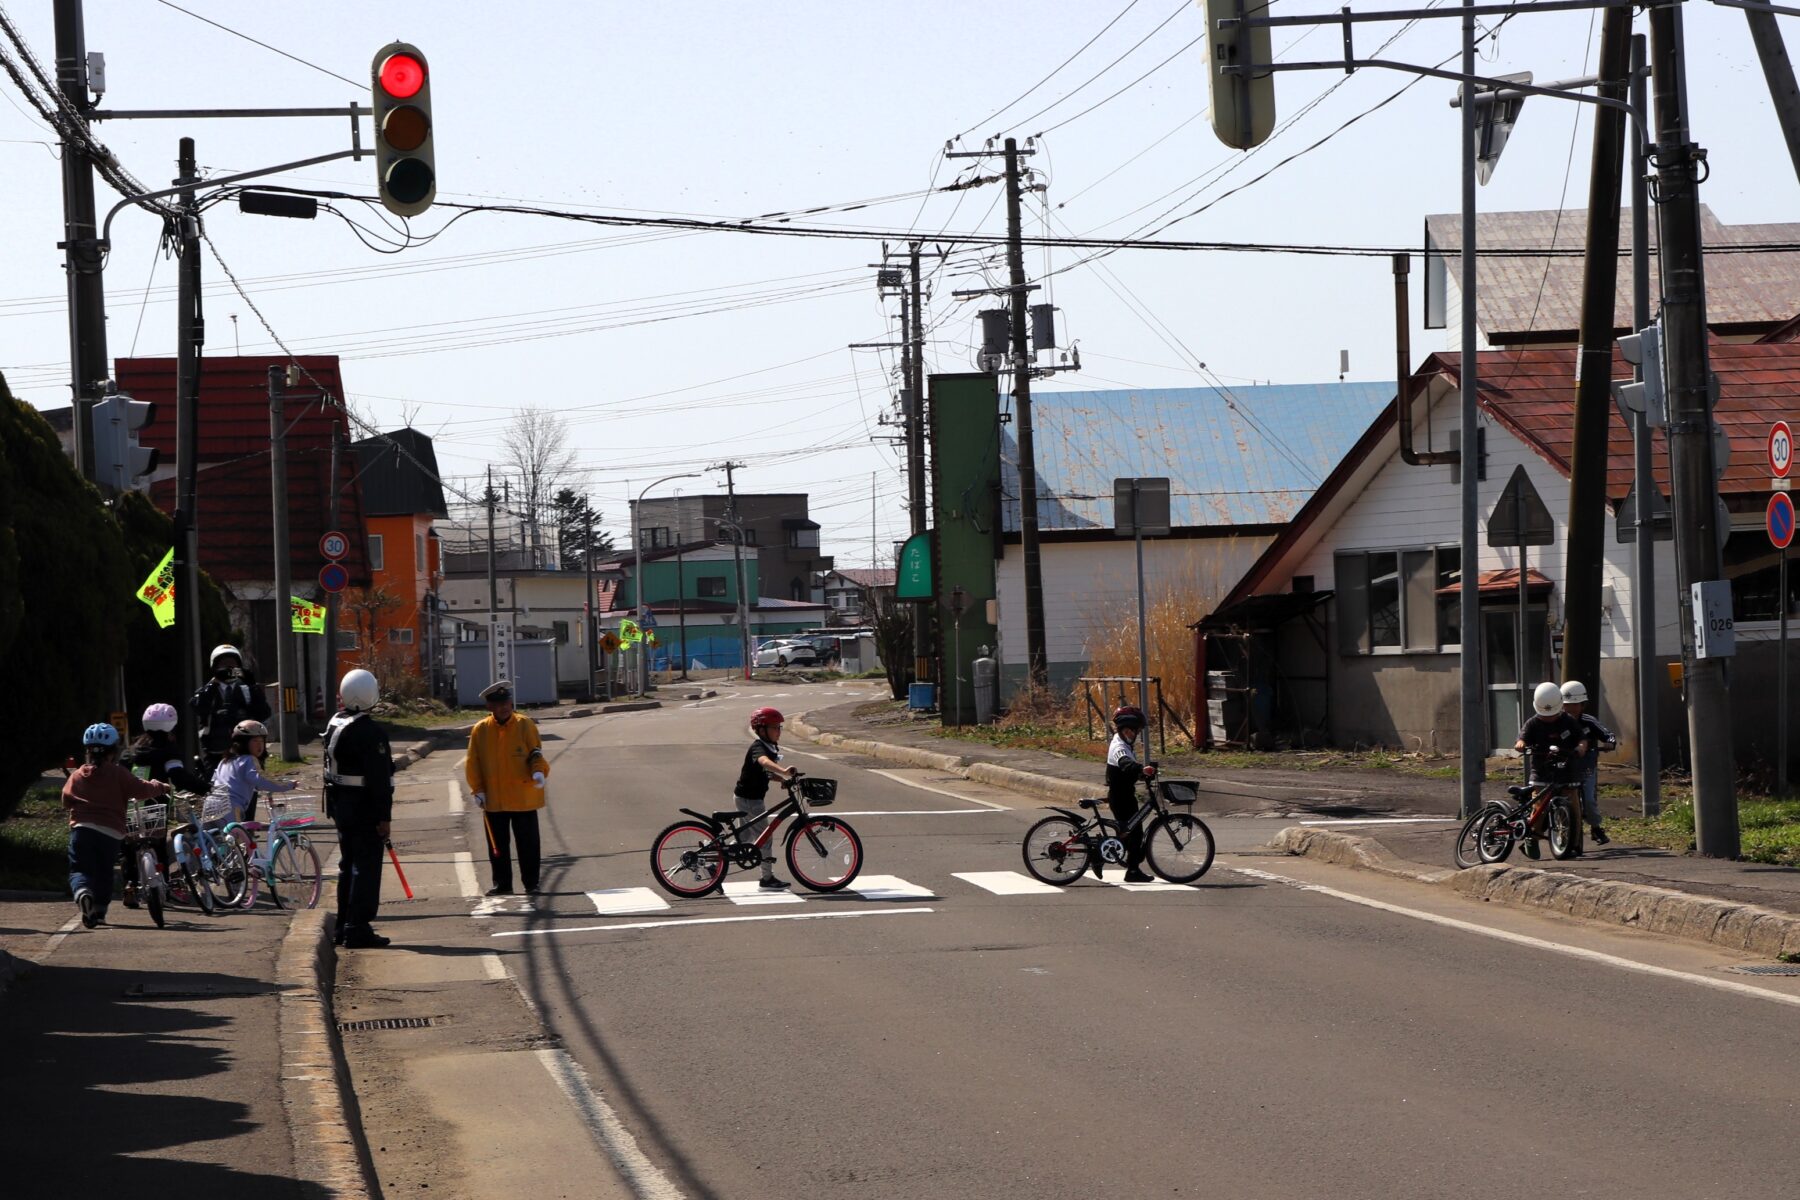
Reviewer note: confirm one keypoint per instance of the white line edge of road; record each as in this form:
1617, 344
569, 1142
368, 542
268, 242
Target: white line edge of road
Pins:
910, 812
926, 787
609, 1133
1385, 821
456, 798
684, 922
466, 878
1521, 939
56, 939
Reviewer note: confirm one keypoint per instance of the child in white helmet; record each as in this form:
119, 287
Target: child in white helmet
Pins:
1598, 737
1552, 741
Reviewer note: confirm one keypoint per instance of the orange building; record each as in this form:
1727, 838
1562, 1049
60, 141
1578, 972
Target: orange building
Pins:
392, 625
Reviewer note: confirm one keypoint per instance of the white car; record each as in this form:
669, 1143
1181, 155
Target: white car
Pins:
783, 652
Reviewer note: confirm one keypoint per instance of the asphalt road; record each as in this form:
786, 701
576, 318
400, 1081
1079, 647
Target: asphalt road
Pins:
933, 1037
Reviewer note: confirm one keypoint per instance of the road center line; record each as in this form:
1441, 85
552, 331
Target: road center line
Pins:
1520, 939
926, 787
686, 921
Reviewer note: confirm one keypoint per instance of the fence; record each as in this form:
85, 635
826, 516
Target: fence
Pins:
1127, 689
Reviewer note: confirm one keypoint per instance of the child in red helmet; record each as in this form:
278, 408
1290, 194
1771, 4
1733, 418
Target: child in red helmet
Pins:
1123, 770
762, 762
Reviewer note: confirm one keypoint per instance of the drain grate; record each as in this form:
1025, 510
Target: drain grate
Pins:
1770, 969
385, 1023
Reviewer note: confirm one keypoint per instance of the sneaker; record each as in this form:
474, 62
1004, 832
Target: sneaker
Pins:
1599, 835
499, 891
366, 939
84, 900
773, 884
1529, 848
1136, 876
130, 896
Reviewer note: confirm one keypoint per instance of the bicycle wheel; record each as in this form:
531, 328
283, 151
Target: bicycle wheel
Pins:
228, 878
197, 890
824, 853
1468, 839
687, 859
150, 884
1179, 847
1055, 851
296, 875
1494, 836
1562, 829
237, 835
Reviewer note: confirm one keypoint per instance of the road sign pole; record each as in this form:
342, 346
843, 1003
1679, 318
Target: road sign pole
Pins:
287, 677
1137, 534
1519, 653
1781, 686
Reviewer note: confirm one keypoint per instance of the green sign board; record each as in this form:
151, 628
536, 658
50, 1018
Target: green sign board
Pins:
913, 580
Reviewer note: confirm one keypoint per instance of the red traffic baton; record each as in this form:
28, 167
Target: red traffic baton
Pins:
395, 858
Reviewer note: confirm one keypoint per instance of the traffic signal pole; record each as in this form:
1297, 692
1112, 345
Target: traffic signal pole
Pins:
1643, 579
287, 681
190, 337
88, 366
1691, 468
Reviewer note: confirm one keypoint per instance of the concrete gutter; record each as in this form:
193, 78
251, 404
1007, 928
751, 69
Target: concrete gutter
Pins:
1740, 928
322, 1114
1043, 787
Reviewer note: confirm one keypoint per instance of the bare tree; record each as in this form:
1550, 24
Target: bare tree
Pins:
538, 452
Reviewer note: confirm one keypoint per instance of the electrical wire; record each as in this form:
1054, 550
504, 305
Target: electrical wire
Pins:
1046, 79
1179, 9
275, 49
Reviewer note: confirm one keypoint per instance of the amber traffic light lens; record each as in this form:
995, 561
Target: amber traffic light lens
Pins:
405, 128
402, 76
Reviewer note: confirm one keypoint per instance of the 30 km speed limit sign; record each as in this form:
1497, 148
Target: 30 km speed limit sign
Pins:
1781, 449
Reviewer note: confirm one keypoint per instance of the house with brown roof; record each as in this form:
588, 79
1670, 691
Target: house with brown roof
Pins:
1346, 629
852, 595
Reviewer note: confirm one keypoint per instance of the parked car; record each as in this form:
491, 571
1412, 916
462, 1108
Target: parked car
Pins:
786, 652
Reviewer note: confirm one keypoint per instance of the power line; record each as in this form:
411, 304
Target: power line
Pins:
275, 49
1179, 9
1046, 79
1147, 74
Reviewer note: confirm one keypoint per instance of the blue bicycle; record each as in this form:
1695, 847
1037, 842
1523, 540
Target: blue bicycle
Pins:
205, 867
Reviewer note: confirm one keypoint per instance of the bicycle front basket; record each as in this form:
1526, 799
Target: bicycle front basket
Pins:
1180, 791
819, 792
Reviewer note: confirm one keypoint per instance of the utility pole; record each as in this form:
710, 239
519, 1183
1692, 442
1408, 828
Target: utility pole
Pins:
587, 607
190, 338
493, 588
737, 553
1474, 737
915, 450
1780, 74
1643, 580
680, 586
1585, 550
1035, 653
1690, 434
286, 678
334, 511
88, 368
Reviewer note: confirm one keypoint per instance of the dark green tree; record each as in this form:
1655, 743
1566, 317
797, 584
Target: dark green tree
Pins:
571, 531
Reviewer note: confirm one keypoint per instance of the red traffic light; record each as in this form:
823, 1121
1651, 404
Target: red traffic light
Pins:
402, 76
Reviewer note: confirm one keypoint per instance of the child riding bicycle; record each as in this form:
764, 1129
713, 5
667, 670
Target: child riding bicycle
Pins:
1554, 743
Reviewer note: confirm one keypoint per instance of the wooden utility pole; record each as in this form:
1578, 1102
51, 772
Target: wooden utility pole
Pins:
915, 451
1780, 74
190, 338
1036, 655
286, 676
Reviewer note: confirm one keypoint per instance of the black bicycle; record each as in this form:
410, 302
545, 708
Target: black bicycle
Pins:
1547, 808
1177, 845
691, 858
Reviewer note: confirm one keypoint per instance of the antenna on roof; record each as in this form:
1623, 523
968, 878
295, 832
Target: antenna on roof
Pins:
1343, 364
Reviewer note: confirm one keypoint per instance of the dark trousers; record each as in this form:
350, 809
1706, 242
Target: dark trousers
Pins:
360, 851
503, 826
91, 858
1123, 809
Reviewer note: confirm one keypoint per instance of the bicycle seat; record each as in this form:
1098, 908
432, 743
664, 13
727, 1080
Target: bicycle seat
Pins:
1092, 803
1519, 791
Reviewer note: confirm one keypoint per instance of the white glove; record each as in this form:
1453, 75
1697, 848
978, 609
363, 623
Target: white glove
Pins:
537, 778
480, 799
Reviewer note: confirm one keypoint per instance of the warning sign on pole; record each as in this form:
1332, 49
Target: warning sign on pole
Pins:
158, 591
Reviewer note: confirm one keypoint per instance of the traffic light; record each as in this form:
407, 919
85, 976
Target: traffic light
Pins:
120, 463
405, 174
1243, 102
1643, 350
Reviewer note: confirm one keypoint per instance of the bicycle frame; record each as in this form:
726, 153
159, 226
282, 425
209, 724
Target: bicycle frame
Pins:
1152, 807
731, 833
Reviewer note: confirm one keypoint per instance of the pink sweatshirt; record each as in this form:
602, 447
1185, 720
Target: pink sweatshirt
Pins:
96, 794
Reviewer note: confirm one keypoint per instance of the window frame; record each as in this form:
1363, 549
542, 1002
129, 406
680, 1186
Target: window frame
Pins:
1352, 596
700, 588
376, 552
400, 635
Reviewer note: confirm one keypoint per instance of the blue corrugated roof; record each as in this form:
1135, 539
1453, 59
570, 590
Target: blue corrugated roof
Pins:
1234, 456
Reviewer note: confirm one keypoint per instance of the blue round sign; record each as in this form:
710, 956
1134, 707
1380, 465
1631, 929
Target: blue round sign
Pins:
1781, 520
333, 577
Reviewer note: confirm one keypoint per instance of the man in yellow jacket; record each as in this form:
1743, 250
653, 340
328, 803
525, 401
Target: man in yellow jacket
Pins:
506, 772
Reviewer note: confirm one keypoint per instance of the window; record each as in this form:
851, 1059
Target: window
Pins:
377, 561
710, 586
400, 637
657, 537
749, 537
419, 552
1753, 566
346, 639
804, 539
1387, 600
561, 632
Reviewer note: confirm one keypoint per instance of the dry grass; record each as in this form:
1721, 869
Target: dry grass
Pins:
1113, 646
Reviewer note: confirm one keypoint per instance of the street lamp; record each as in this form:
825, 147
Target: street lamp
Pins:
637, 571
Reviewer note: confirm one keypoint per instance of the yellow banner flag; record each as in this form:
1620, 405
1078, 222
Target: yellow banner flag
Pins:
629, 633
158, 591
308, 617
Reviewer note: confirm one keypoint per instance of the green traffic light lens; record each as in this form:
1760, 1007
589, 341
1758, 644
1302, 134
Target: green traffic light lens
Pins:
405, 127
410, 181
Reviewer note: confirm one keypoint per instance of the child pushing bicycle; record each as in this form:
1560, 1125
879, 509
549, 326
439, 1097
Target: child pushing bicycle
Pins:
762, 762
1553, 742
1123, 771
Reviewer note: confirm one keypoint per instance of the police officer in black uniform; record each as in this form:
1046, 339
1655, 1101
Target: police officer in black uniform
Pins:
359, 798
230, 696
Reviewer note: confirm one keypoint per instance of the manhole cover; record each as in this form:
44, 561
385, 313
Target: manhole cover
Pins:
384, 1023
1770, 969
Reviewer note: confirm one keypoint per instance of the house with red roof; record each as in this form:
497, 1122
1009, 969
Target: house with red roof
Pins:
1346, 629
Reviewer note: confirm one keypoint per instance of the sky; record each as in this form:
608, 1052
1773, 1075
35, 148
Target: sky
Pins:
669, 352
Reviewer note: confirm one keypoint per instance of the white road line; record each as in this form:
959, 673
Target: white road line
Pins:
456, 798
465, 873
620, 902
609, 1133
889, 887
56, 939
749, 892
681, 922
910, 812
1520, 939
495, 968
1386, 821
1006, 883
1154, 885
926, 787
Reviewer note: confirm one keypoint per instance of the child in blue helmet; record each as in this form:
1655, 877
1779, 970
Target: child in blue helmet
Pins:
96, 795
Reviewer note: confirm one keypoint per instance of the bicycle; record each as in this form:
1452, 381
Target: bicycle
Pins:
211, 868
290, 859
1177, 845
1547, 808
145, 827
691, 858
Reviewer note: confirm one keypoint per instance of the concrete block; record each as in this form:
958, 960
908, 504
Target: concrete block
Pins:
1790, 941
1541, 892
1733, 932
1704, 919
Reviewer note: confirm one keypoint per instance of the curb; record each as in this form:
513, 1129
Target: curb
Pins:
1745, 928
323, 1118
1043, 787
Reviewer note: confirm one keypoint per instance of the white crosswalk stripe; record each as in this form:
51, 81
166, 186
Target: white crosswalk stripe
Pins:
750, 892
619, 902
889, 887
1006, 883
